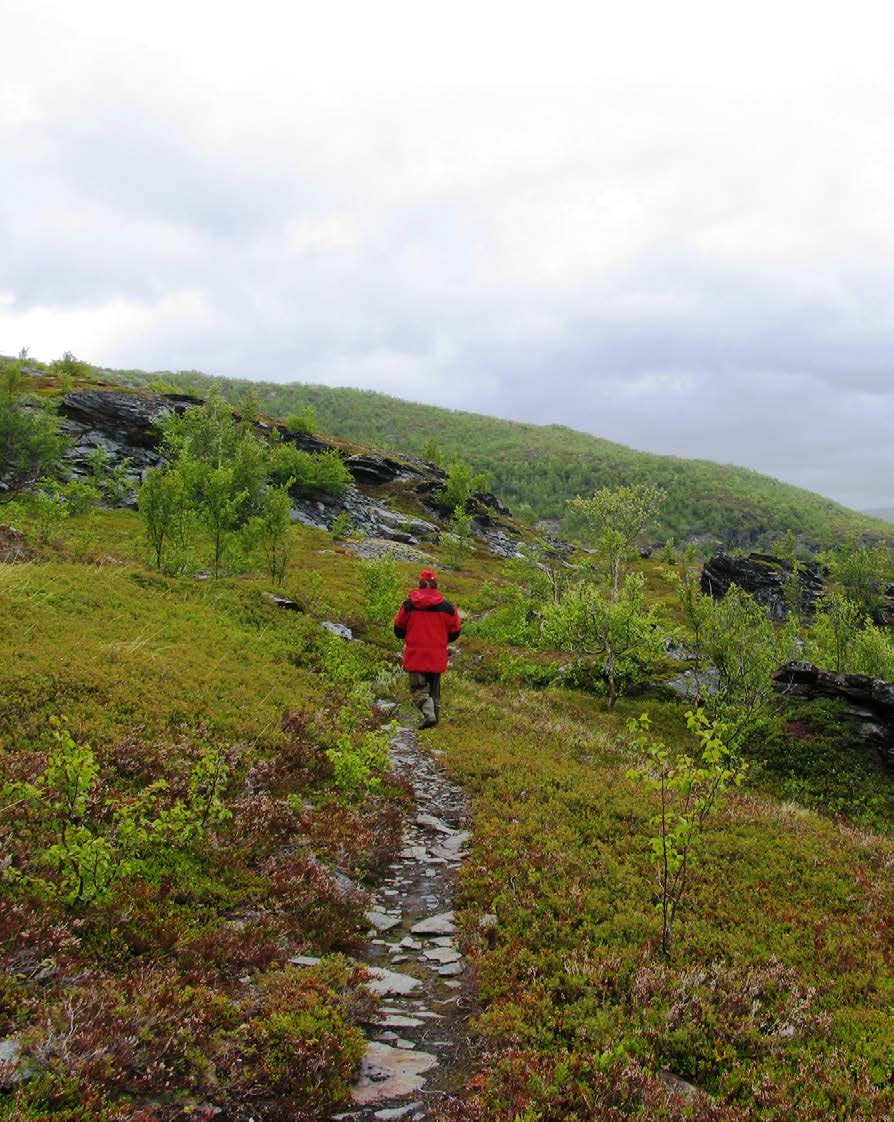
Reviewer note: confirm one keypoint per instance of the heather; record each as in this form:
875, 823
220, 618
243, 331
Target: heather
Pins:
195, 792
776, 1002
672, 908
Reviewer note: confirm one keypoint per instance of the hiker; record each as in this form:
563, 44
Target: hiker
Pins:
427, 623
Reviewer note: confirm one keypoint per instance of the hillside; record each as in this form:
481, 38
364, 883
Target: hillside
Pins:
535, 469
220, 820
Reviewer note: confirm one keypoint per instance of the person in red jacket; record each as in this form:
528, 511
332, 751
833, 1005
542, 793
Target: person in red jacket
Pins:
427, 623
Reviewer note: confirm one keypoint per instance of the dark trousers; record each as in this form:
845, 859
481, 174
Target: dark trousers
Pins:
425, 685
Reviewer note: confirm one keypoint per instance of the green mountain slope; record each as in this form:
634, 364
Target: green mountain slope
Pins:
535, 469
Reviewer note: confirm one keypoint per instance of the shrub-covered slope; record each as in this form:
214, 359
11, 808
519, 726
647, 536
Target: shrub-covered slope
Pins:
195, 791
537, 468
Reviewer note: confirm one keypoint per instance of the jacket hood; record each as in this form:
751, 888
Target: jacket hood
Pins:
426, 597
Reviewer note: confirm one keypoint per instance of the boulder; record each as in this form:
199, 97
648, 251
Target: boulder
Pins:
122, 418
869, 702
122, 424
373, 469
764, 577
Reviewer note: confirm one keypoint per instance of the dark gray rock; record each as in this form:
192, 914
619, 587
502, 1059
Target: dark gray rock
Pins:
120, 417
373, 469
283, 602
301, 440
764, 577
121, 423
498, 542
869, 702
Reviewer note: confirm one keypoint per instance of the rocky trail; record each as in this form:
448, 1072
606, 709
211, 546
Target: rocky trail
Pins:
419, 1038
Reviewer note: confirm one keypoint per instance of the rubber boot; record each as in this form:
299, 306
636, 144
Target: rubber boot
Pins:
429, 715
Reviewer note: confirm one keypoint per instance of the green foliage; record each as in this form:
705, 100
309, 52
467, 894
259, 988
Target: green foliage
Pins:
513, 609
162, 503
342, 526
304, 422
250, 407
778, 978
457, 541
112, 483
813, 756
843, 639
49, 509
461, 483
311, 472
613, 519
431, 452
745, 649
100, 841
68, 368
30, 443
622, 630
274, 531
216, 485
382, 587
688, 790
80, 496
862, 571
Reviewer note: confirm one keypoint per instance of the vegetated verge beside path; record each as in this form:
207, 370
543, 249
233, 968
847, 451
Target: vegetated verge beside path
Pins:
419, 1037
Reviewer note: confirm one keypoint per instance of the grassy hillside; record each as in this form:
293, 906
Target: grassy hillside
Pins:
777, 1001
535, 469
194, 791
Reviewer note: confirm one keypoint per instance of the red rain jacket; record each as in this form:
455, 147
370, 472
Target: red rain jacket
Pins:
427, 622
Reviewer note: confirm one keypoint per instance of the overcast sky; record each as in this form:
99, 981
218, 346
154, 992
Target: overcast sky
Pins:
671, 225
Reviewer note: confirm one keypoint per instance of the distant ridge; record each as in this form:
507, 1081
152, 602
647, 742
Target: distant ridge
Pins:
886, 513
536, 469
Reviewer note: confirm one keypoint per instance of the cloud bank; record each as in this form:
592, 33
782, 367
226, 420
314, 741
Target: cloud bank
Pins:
670, 230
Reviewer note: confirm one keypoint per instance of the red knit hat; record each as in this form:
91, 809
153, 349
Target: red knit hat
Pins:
427, 574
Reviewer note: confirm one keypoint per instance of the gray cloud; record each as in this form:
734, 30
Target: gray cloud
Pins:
644, 243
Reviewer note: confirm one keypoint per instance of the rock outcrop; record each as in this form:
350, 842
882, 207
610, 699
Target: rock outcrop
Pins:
124, 423
765, 577
121, 423
869, 702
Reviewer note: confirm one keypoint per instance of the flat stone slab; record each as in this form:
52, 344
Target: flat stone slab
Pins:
451, 969
434, 823
381, 921
385, 982
397, 1113
398, 1020
435, 925
389, 1073
444, 955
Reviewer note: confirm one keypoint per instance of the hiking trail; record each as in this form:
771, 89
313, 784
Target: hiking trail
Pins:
419, 1037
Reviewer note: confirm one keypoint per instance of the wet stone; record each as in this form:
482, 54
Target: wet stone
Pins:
443, 955
382, 921
389, 1073
442, 924
397, 1113
386, 982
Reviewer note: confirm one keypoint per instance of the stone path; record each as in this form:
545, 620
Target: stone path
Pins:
419, 1038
